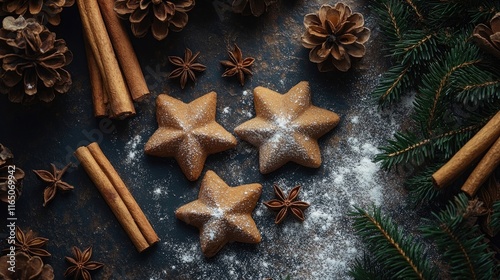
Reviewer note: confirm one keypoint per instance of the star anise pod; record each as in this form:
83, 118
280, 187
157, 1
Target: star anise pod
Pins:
30, 243
54, 180
81, 264
237, 65
284, 204
185, 67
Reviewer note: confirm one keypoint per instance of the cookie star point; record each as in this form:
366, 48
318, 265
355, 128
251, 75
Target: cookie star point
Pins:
188, 132
222, 213
286, 127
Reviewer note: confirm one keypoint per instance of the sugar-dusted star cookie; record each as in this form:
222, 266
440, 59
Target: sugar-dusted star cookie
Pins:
222, 214
188, 132
286, 127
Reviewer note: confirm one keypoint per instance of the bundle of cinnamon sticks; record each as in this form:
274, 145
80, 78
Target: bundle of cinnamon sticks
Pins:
117, 196
115, 74
485, 143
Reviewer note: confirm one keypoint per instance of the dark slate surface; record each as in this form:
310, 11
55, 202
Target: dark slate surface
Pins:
43, 133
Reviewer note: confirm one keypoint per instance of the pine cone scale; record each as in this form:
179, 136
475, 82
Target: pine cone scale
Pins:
161, 11
138, 16
159, 29
179, 21
35, 6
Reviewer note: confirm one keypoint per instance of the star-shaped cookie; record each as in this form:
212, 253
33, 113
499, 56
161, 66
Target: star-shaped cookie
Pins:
222, 214
188, 132
286, 127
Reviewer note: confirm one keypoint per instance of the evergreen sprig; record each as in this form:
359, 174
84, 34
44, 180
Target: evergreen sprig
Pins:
393, 84
430, 102
408, 148
397, 17
476, 88
420, 186
457, 89
462, 246
391, 248
366, 269
495, 219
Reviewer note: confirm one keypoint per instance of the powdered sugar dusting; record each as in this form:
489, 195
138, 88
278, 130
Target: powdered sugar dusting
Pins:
324, 245
131, 148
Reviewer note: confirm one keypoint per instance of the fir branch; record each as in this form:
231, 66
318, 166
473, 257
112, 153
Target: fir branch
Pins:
408, 148
484, 11
495, 218
417, 47
421, 188
405, 148
442, 13
429, 101
393, 19
461, 245
477, 87
367, 269
415, 10
392, 85
394, 250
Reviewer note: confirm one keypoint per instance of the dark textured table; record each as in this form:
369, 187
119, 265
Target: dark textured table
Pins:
322, 247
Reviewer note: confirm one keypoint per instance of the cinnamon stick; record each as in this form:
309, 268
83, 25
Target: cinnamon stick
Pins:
136, 212
96, 84
469, 153
128, 213
483, 170
124, 51
120, 101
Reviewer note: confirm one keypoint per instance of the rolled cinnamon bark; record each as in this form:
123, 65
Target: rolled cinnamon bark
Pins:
117, 196
121, 105
118, 184
96, 84
483, 170
124, 51
469, 153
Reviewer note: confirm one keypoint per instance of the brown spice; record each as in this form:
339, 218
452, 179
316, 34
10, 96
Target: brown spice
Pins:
186, 67
54, 180
285, 204
81, 264
30, 243
117, 196
237, 65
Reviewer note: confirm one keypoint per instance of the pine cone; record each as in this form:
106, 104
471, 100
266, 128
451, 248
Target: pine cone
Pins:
32, 61
27, 268
159, 15
254, 7
489, 38
43, 10
6, 158
334, 35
